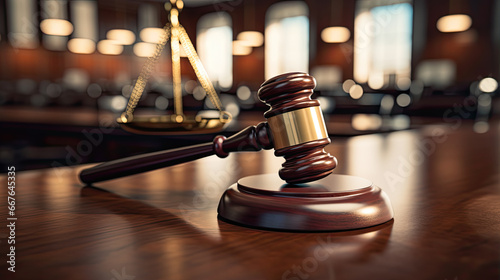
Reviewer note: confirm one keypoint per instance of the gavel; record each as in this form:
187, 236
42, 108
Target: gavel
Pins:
295, 128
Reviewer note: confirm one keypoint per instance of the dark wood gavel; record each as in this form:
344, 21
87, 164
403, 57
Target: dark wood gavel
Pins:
295, 129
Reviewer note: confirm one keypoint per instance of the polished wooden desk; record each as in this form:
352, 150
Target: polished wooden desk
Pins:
163, 225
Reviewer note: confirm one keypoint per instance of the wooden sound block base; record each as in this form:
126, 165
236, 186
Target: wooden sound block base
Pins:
337, 202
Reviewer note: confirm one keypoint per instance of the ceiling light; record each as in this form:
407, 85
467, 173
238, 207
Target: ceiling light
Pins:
151, 34
251, 38
81, 46
335, 34
240, 48
109, 47
454, 23
121, 36
59, 27
144, 49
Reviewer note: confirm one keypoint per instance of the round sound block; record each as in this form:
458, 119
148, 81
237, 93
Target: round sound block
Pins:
337, 202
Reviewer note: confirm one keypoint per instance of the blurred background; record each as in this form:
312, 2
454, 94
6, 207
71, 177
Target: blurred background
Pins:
67, 68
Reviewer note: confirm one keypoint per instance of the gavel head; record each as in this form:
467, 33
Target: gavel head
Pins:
297, 127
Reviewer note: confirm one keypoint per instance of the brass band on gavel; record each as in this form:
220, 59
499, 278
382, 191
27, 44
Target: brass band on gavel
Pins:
297, 127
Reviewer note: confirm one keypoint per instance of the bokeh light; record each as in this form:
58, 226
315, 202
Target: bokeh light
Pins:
346, 86
403, 100
59, 27
488, 85
454, 23
121, 36
81, 46
335, 34
356, 92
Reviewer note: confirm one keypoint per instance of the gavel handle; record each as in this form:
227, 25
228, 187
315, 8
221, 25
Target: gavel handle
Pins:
253, 138
142, 163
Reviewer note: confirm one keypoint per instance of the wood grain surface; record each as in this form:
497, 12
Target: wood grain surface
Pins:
443, 183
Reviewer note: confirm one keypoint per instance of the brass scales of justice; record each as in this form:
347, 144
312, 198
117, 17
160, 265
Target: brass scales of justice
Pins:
177, 123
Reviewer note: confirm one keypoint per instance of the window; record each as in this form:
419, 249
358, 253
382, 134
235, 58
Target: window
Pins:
287, 38
214, 46
382, 42
22, 23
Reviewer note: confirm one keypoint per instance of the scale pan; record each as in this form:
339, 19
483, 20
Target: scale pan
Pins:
164, 125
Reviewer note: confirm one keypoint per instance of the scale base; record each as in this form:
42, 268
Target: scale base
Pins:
337, 202
164, 125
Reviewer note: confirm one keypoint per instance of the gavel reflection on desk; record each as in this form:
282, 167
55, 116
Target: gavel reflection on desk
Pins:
296, 130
